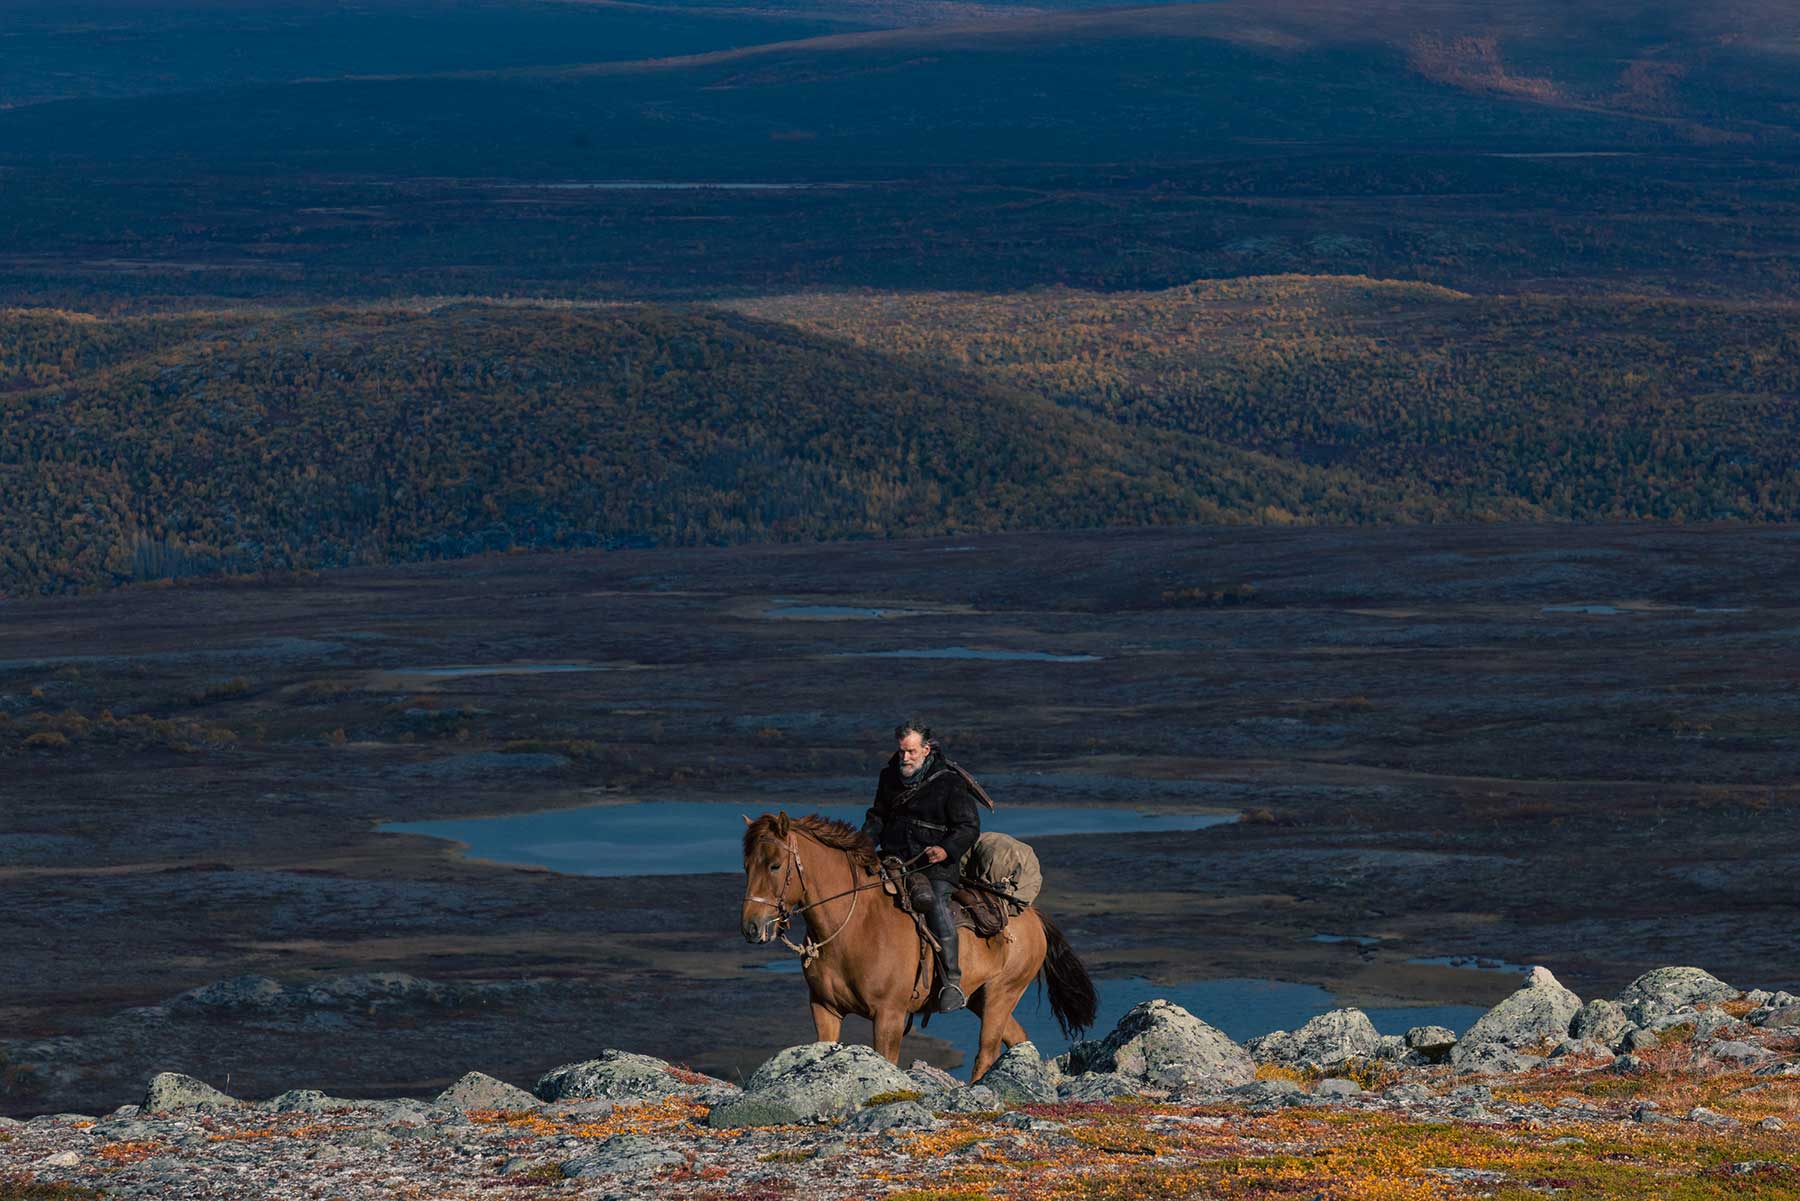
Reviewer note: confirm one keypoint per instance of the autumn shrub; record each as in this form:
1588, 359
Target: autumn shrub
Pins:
791, 1155
891, 1096
1682, 1032
47, 740
25, 1188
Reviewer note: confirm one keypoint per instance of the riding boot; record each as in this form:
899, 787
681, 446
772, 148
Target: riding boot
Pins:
943, 928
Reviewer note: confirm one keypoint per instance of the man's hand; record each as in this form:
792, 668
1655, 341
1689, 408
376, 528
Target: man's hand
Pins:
936, 854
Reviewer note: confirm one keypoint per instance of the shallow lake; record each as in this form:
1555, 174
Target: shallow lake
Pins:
1240, 1008
669, 838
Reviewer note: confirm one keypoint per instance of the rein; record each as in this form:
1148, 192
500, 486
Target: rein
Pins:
785, 914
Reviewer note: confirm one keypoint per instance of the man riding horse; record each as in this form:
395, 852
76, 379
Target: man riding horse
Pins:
924, 811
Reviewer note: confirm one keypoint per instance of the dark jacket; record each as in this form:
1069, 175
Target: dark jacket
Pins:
935, 810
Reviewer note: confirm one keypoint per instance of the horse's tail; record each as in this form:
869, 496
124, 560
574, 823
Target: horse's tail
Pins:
1072, 997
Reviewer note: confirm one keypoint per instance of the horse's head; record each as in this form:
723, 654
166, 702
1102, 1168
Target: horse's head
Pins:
772, 885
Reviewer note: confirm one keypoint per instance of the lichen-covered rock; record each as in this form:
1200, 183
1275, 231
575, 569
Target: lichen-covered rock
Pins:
1337, 1088
477, 1090
1542, 1009
305, 1100
630, 1155
1666, 989
811, 1083
1277, 1046
1391, 1047
171, 1092
1163, 1044
896, 1115
1021, 1077
1492, 1059
931, 1080
624, 1076
1335, 1038
1432, 1044
973, 1098
1099, 1086
1600, 1020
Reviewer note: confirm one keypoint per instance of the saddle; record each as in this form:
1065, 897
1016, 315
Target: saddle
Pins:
972, 907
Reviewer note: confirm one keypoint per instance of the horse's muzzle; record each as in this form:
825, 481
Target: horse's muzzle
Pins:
759, 930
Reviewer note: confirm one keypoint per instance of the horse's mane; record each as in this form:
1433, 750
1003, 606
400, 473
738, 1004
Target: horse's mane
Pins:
838, 835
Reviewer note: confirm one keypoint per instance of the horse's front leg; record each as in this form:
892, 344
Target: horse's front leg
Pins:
890, 1024
827, 1022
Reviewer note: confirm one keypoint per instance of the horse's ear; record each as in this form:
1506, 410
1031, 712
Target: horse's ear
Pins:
781, 824
746, 818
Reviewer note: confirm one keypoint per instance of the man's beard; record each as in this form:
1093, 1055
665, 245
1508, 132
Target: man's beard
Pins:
907, 773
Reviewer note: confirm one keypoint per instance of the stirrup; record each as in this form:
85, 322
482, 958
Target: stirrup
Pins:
951, 997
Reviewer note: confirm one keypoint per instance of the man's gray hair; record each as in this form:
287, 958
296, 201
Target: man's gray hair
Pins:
913, 725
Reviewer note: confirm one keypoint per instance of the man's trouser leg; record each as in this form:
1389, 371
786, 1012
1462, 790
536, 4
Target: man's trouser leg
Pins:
943, 928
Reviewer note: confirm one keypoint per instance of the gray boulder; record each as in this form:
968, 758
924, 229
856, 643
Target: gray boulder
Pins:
625, 1155
1777, 1019
1098, 1086
1391, 1047
811, 1083
1635, 1039
974, 1098
931, 1080
1335, 1038
1277, 1046
1021, 1077
1268, 1094
1740, 1053
1163, 1044
896, 1115
1487, 1059
1336, 1088
1430, 1043
305, 1100
1542, 1009
623, 1076
171, 1092
1407, 1094
1600, 1020
478, 1091
1666, 989
1579, 1047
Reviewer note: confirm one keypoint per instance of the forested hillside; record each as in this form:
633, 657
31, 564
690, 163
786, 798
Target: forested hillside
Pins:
142, 448
146, 448
1595, 408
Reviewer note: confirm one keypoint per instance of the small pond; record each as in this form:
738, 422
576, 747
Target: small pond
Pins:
665, 838
838, 613
493, 669
1473, 963
1240, 1008
972, 652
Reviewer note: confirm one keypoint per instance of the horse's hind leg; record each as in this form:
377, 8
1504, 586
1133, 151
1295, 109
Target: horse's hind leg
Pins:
998, 1025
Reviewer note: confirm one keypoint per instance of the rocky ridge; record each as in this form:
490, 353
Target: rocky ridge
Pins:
1713, 1070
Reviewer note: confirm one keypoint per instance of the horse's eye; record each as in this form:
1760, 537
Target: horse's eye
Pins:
773, 864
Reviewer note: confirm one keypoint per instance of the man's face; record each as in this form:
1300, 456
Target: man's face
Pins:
912, 754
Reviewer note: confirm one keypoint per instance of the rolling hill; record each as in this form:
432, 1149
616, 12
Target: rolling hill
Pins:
164, 447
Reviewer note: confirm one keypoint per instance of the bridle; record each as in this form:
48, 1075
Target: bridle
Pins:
785, 913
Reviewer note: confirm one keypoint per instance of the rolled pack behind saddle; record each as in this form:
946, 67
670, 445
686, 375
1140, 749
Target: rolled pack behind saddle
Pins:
1000, 879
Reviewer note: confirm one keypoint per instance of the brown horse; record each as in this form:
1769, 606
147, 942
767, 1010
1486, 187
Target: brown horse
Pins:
865, 953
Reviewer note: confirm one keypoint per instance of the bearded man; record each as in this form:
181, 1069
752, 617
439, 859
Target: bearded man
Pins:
925, 810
